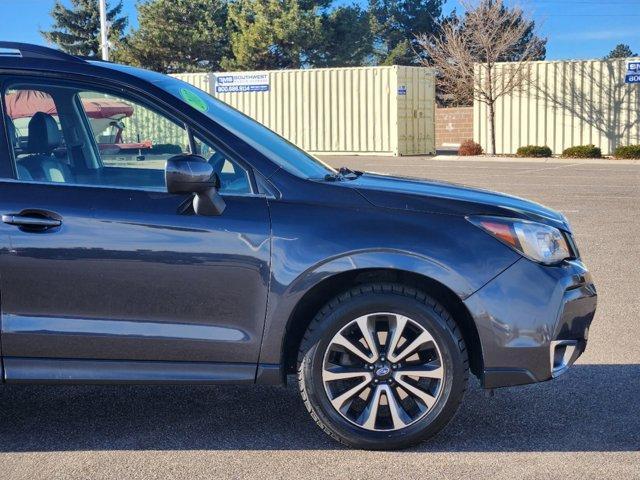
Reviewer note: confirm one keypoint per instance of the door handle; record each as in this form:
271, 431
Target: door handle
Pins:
31, 220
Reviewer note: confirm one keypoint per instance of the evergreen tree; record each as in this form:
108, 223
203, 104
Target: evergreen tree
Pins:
396, 23
76, 30
178, 36
346, 40
620, 51
272, 34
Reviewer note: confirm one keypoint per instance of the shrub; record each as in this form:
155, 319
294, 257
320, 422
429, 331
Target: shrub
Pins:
628, 151
469, 147
582, 151
534, 151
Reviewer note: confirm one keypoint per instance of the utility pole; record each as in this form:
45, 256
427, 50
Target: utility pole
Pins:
104, 34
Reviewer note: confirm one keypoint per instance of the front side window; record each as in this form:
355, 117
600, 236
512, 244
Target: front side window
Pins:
28, 107
22, 105
62, 134
130, 135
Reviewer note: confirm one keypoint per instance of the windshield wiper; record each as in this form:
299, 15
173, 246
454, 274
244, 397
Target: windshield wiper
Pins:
343, 173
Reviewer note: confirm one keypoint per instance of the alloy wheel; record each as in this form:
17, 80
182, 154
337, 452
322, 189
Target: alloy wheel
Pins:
383, 371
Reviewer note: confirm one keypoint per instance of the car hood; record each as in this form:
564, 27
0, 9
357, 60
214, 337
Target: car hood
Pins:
442, 197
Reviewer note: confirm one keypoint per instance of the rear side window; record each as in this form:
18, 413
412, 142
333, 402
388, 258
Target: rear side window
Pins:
62, 134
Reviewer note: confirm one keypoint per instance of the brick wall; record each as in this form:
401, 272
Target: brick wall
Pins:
453, 125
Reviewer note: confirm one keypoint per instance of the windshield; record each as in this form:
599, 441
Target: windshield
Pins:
280, 151
269, 143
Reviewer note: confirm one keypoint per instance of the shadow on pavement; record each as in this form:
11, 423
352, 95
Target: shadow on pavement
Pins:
591, 408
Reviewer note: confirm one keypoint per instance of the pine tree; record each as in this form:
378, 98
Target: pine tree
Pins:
272, 34
396, 23
76, 30
178, 36
620, 51
346, 39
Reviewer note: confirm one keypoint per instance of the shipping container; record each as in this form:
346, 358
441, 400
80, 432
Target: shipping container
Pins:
564, 104
346, 111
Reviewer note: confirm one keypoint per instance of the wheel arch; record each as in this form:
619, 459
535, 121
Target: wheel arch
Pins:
320, 293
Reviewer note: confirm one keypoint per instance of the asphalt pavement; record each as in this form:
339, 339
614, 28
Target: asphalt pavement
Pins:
585, 424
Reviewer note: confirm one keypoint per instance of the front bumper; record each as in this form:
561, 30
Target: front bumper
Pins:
533, 321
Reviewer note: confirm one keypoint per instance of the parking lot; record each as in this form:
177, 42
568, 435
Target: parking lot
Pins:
586, 424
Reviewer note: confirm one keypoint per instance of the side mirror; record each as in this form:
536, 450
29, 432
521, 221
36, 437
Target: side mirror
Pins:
187, 173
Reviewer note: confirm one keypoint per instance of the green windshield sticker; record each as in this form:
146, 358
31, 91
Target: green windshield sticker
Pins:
193, 99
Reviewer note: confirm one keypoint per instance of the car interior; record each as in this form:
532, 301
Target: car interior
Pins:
62, 144
40, 162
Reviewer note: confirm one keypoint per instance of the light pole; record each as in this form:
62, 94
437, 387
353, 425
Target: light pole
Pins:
104, 36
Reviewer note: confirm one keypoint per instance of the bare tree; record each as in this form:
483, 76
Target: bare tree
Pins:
468, 53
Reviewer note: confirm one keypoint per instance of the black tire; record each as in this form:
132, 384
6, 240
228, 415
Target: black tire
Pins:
367, 299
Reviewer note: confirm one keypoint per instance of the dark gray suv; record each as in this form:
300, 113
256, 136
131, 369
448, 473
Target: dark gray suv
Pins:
152, 234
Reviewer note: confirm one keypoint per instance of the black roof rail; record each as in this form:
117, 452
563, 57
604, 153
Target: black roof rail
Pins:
27, 50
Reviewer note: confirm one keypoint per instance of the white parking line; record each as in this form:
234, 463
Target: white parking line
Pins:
558, 167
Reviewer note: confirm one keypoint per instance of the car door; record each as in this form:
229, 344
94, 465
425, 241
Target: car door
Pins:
101, 263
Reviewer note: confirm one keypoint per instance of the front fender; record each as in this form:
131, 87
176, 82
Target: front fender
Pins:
312, 243
283, 301
382, 259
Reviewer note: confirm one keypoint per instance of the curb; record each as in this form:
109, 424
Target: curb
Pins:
572, 161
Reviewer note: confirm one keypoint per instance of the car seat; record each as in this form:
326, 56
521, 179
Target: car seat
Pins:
41, 164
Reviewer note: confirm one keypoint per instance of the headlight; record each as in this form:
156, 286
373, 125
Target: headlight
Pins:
536, 241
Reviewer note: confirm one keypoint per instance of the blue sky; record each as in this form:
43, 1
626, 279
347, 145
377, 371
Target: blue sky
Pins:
576, 29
